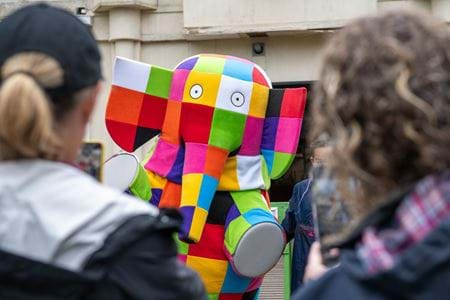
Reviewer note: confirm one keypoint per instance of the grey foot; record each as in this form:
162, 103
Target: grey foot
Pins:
259, 250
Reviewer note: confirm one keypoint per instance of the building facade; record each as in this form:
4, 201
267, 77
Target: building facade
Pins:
284, 37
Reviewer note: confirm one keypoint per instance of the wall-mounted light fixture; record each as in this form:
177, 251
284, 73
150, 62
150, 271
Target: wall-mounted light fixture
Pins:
258, 49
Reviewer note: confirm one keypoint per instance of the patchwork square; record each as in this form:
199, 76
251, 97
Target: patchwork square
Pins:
131, 74
191, 191
281, 163
211, 243
171, 196
249, 173
124, 105
227, 129
269, 133
195, 157
188, 213
251, 142
188, 64
198, 222
178, 83
238, 69
210, 64
156, 181
215, 158
163, 158
260, 98
123, 134
258, 77
234, 232
287, 129
156, 197
182, 258
248, 200
183, 248
159, 82
201, 88
207, 191
176, 172
233, 213
294, 101
229, 179
275, 101
255, 216
268, 157
234, 95
211, 271
143, 135
234, 283
153, 111
171, 125
196, 122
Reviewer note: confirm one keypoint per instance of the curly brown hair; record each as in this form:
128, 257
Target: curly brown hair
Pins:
383, 98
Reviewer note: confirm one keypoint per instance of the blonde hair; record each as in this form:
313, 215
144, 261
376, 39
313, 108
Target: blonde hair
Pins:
27, 122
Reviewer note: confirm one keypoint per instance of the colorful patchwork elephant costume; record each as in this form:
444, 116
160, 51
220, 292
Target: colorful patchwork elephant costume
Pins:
223, 134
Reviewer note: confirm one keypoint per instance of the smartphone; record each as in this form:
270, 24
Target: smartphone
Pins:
90, 159
330, 213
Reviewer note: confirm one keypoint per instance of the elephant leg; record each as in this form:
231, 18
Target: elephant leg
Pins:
254, 240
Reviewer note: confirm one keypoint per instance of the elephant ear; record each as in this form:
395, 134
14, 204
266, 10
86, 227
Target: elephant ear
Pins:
282, 127
137, 102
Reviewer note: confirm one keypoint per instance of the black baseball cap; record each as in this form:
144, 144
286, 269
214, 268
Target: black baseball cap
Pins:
58, 34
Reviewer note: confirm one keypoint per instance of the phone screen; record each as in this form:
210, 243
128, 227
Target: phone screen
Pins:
90, 159
330, 213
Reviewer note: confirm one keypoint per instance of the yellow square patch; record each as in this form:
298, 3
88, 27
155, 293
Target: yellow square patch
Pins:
260, 98
156, 181
211, 271
202, 88
229, 179
190, 190
198, 222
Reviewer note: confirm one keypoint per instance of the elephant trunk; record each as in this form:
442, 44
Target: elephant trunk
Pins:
203, 167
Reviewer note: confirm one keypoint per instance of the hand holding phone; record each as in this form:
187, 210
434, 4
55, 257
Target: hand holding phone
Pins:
90, 159
316, 266
330, 213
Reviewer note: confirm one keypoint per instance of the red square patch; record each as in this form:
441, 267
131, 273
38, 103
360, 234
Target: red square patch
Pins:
211, 243
153, 112
293, 105
196, 122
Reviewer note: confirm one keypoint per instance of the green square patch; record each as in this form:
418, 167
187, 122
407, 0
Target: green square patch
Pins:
227, 129
209, 64
159, 82
248, 200
234, 233
213, 296
183, 247
281, 163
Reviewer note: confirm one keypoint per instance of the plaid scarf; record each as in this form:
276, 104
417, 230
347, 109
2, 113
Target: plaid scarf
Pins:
419, 213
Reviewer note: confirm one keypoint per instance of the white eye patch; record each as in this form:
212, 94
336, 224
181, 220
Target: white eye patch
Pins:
196, 91
234, 95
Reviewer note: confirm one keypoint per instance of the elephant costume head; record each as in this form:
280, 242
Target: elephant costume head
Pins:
221, 126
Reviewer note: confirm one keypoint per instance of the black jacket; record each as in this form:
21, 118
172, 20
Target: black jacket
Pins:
422, 272
137, 261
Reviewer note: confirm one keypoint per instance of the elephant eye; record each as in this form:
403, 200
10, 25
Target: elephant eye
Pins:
237, 99
196, 91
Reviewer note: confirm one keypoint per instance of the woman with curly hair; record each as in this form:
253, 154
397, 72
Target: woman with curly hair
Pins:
383, 97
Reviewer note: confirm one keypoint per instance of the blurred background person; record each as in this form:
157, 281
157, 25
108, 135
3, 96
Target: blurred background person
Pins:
298, 221
383, 97
62, 234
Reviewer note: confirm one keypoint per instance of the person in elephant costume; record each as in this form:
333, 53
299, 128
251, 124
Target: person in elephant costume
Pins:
222, 134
